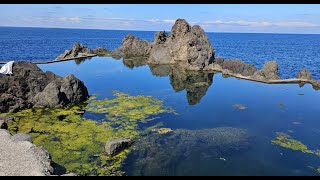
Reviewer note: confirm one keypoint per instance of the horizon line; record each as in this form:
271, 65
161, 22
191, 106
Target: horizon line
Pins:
155, 30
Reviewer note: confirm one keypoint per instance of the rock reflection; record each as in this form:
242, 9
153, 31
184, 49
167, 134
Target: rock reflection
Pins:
196, 83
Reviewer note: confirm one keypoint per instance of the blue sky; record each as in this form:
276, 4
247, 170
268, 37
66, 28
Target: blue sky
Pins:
264, 18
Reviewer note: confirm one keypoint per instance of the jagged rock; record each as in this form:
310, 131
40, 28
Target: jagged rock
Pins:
190, 46
159, 52
268, 72
304, 74
22, 158
18, 91
115, 146
77, 50
133, 47
316, 84
219, 61
186, 45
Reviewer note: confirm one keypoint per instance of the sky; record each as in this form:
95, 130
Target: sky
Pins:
247, 18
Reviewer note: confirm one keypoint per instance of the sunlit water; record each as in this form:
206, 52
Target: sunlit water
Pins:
206, 101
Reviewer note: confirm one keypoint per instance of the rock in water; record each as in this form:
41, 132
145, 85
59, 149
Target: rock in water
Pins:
304, 74
190, 46
133, 47
115, 146
268, 72
239, 67
18, 92
77, 50
186, 45
22, 158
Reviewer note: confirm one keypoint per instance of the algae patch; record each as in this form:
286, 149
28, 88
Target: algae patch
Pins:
163, 130
77, 143
286, 141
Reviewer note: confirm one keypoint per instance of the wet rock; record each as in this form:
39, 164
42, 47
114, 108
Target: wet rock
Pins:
115, 146
304, 74
219, 61
316, 84
18, 92
21, 137
28, 160
133, 47
78, 50
268, 72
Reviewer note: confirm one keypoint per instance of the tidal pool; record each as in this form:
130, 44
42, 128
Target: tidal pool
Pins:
211, 125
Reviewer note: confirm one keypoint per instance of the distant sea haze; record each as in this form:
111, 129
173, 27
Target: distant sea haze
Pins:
292, 51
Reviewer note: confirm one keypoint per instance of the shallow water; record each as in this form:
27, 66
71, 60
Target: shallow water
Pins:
209, 101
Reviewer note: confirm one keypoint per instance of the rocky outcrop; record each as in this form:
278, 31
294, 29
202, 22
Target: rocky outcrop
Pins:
304, 74
77, 51
268, 72
22, 158
21, 137
159, 52
186, 45
30, 85
133, 47
190, 46
115, 146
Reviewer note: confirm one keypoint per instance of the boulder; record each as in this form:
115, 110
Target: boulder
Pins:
133, 47
29, 160
19, 91
304, 74
77, 50
268, 72
115, 146
59, 93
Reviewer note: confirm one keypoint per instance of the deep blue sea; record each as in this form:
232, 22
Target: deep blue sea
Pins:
291, 51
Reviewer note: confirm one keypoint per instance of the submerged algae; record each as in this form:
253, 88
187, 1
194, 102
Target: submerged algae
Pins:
77, 143
286, 141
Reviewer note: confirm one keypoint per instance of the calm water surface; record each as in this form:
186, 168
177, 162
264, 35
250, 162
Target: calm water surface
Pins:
205, 106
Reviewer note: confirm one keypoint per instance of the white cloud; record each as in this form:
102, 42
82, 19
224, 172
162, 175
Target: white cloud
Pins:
71, 19
261, 23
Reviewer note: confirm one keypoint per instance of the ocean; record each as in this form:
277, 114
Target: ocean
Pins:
292, 51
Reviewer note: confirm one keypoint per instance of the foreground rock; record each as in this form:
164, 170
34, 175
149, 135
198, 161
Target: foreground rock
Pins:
30, 86
115, 146
77, 51
22, 158
268, 72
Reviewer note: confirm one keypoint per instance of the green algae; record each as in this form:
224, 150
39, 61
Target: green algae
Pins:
286, 141
77, 143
